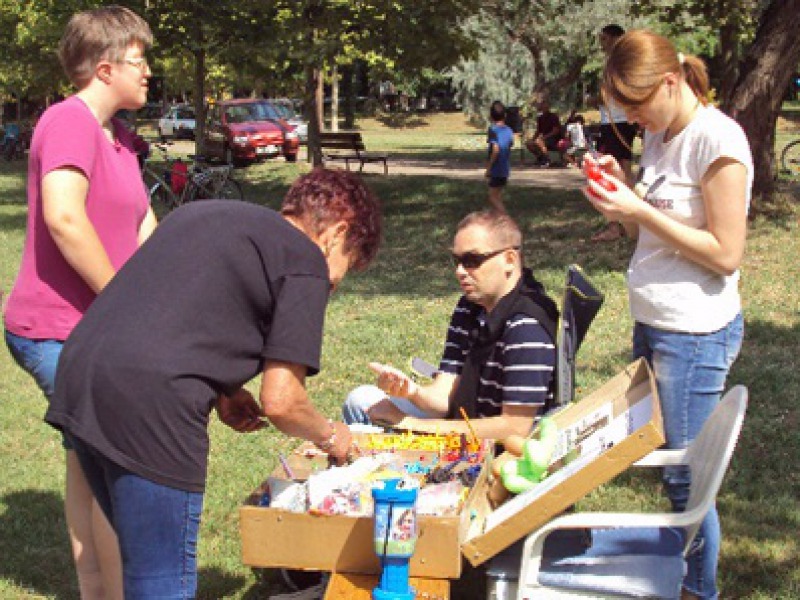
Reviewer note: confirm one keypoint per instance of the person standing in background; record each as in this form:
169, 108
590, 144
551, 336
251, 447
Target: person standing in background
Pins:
87, 214
500, 138
616, 134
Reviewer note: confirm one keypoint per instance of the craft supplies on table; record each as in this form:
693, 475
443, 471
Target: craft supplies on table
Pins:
322, 518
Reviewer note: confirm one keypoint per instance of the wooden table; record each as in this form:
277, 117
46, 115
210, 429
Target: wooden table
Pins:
345, 586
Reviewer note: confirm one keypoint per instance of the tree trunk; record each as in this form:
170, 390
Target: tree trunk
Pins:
349, 97
334, 98
728, 58
544, 87
764, 76
199, 97
730, 15
311, 107
319, 96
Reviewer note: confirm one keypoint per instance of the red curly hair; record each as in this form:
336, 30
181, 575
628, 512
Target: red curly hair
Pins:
323, 197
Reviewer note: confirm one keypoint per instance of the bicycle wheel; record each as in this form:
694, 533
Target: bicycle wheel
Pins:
790, 159
231, 190
161, 197
199, 187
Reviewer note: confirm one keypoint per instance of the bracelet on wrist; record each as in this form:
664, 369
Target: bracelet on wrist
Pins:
328, 444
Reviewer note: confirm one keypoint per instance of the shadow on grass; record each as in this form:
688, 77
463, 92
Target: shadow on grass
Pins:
13, 222
34, 549
758, 501
35, 554
214, 583
769, 366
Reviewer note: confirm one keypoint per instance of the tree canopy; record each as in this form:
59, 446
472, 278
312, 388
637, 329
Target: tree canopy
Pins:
506, 49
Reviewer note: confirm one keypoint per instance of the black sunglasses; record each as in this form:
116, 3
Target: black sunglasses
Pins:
473, 260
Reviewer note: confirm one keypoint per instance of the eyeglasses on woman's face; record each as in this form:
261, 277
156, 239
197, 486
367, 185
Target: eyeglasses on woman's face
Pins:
140, 63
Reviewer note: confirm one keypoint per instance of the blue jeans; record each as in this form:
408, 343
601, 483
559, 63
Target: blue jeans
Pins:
364, 397
157, 527
38, 358
690, 373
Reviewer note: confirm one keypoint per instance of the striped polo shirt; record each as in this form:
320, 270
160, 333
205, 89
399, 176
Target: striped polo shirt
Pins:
520, 369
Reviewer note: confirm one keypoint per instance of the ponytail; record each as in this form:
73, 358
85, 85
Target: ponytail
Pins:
696, 74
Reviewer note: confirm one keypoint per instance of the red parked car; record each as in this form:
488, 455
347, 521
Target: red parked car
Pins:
244, 130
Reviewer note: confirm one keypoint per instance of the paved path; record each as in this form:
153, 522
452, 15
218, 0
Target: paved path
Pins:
521, 174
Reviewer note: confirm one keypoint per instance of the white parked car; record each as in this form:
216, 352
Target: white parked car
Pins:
286, 108
178, 122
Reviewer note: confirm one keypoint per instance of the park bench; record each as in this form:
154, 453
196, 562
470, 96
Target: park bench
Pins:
347, 146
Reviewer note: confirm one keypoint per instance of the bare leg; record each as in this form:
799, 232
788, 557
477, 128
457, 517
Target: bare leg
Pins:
94, 543
107, 548
496, 199
612, 231
537, 148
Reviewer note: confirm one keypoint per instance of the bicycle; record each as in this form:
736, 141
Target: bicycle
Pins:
14, 148
202, 181
790, 159
15, 142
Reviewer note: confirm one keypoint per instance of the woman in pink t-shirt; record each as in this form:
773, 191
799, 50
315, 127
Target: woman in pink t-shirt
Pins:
87, 214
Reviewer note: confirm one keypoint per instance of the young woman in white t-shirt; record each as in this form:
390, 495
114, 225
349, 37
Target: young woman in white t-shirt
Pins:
690, 220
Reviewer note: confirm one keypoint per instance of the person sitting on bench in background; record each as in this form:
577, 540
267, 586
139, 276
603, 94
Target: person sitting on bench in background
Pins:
575, 141
547, 135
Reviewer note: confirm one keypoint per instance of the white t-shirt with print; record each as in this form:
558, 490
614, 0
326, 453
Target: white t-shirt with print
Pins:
665, 289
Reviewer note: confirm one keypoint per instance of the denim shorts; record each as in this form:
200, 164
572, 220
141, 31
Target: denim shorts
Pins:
39, 358
157, 527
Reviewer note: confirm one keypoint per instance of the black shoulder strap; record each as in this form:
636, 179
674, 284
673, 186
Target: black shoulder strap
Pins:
527, 298
535, 307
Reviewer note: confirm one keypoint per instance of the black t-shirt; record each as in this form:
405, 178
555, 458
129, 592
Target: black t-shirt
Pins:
219, 289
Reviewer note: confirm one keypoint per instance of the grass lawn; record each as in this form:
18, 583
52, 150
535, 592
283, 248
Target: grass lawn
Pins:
398, 309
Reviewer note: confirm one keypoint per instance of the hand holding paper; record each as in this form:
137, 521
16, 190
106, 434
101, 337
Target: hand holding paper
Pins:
393, 381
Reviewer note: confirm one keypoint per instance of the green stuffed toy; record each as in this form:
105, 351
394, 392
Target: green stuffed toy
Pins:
525, 472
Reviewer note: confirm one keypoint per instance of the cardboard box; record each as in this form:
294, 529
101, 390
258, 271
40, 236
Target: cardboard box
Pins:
615, 426
346, 586
609, 430
274, 537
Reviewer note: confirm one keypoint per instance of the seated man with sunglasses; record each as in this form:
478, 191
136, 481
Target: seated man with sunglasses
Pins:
499, 357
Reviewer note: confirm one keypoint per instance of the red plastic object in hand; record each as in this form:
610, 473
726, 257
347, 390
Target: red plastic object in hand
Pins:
592, 193
593, 172
606, 184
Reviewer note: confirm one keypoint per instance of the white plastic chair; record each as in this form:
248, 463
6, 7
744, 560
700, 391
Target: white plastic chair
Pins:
635, 554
